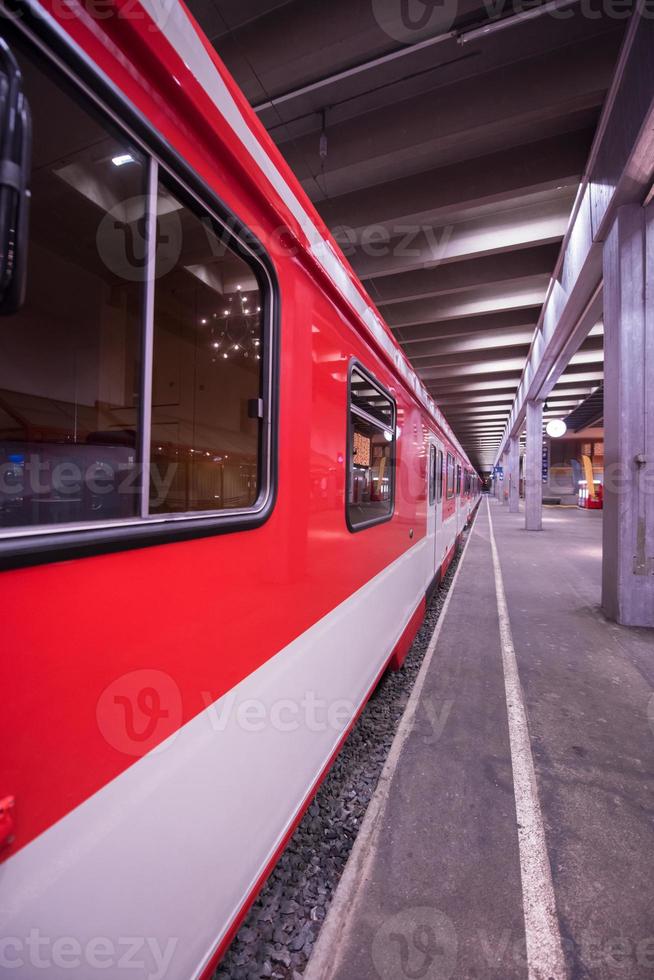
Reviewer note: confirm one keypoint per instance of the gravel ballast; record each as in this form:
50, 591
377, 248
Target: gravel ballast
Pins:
280, 930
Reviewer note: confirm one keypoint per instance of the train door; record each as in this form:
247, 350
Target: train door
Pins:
432, 507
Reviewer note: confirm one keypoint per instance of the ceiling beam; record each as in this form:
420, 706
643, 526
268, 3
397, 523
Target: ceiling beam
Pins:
475, 344
458, 371
454, 277
435, 196
508, 230
414, 336
500, 379
511, 295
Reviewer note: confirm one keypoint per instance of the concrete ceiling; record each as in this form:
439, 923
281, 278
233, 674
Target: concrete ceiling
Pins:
448, 170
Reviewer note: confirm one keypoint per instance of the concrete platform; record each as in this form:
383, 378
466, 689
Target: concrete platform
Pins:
434, 887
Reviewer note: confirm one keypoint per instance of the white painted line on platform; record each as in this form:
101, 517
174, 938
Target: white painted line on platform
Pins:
545, 960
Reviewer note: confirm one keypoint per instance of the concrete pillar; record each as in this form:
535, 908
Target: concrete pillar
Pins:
505, 484
534, 467
628, 558
514, 475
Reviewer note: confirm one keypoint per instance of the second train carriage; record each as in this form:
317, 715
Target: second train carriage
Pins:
225, 495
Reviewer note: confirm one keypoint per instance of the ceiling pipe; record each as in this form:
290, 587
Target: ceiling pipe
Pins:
463, 37
365, 66
478, 33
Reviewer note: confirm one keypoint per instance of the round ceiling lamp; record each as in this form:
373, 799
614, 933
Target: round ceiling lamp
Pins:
556, 428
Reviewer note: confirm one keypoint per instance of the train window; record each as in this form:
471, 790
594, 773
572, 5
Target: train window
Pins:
432, 474
132, 378
439, 476
450, 477
458, 481
207, 369
70, 357
371, 452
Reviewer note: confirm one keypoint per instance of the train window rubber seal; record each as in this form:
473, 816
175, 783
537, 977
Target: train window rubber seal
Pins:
34, 27
356, 365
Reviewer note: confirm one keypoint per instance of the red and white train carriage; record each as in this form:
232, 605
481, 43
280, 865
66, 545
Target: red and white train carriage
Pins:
224, 495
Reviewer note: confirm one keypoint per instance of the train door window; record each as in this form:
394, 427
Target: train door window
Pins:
450, 486
439, 476
432, 474
371, 451
207, 368
70, 390
458, 481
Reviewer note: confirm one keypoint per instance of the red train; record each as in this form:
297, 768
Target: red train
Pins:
224, 494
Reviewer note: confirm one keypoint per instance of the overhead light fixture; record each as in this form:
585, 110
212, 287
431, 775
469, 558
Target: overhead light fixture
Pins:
556, 428
122, 159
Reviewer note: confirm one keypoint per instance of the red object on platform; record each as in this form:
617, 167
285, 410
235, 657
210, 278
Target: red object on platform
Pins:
6, 821
586, 502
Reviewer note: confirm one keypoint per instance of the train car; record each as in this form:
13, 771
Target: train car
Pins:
224, 494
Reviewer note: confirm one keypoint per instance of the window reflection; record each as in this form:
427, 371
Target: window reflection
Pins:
372, 449
450, 476
207, 371
70, 358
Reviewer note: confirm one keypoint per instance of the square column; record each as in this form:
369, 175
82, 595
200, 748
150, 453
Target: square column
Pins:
534, 467
505, 484
514, 475
628, 558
